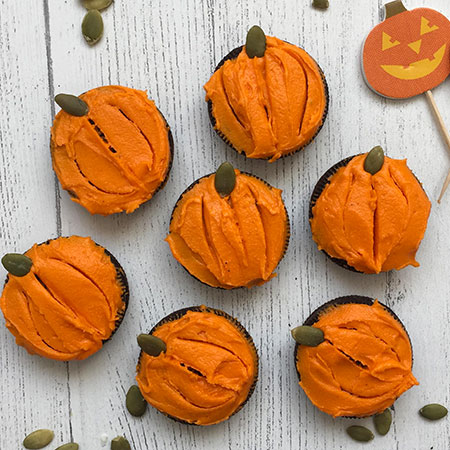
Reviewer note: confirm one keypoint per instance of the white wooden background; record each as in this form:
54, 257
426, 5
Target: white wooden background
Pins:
170, 49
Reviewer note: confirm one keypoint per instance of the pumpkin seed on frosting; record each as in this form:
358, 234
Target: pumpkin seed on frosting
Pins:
17, 264
255, 44
151, 345
225, 179
72, 104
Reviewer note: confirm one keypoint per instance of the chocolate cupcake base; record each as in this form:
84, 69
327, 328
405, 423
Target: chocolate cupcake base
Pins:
233, 55
178, 315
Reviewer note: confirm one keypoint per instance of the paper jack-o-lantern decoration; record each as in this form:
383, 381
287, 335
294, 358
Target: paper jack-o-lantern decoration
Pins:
409, 54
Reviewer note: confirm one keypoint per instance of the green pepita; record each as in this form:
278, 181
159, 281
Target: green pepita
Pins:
374, 160
309, 336
225, 179
321, 4
383, 421
255, 44
433, 411
359, 433
69, 446
17, 264
38, 439
92, 26
135, 402
72, 104
151, 345
96, 4
120, 443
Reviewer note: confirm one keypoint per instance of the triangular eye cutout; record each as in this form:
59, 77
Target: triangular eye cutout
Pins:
425, 27
388, 42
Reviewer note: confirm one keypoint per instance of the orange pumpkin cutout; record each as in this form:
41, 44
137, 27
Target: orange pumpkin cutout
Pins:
407, 54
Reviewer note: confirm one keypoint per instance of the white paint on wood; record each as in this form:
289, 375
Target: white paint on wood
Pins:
170, 49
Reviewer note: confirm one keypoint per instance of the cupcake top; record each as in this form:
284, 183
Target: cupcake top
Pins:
68, 303
363, 364
373, 222
116, 156
268, 106
207, 371
230, 241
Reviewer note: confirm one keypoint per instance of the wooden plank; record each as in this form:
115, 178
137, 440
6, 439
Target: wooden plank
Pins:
34, 391
171, 50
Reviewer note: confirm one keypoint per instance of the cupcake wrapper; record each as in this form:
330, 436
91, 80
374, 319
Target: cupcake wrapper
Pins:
233, 55
121, 280
288, 224
180, 313
359, 299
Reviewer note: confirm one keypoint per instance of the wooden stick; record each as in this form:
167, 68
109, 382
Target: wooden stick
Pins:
445, 134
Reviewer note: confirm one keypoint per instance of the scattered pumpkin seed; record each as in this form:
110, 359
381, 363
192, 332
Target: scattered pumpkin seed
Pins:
383, 422
38, 439
359, 433
255, 44
72, 104
151, 345
17, 264
225, 179
96, 4
92, 26
374, 160
120, 443
433, 411
309, 336
69, 446
135, 402
321, 4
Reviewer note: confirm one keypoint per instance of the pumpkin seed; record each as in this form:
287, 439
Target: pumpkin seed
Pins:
374, 160
359, 433
92, 26
309, 336
255, 44
96, 4
135, 402
72, 104
38, 439
225, 179
433, 411
69, 446
383, 421
17, 264
151, 345
321, 4
120, 443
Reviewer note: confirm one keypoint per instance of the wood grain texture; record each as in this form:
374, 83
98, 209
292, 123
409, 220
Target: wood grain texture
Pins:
170, 49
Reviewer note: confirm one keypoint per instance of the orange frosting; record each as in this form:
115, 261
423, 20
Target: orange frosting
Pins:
373, 222
205, 375
363, 365
117, 156
230, 241
271, 106
68, 304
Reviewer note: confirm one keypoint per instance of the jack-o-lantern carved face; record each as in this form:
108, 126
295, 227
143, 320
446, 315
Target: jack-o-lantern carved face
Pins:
408, 53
